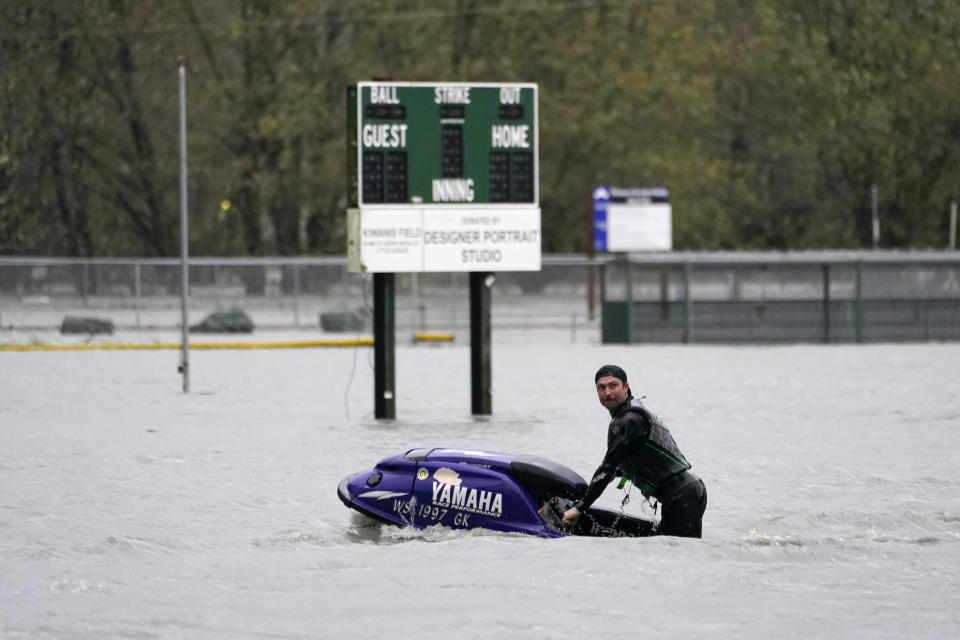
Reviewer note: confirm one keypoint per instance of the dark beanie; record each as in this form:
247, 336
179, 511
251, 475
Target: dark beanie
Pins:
611, 370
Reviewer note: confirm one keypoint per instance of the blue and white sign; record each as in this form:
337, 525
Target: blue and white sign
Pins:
632, 219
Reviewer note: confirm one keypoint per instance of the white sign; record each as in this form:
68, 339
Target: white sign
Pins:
632, 219
391, 240
643, 227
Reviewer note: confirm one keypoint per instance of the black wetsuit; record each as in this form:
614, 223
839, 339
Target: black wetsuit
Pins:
641, 448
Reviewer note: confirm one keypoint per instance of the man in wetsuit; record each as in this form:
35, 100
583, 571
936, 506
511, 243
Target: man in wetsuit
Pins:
640, 448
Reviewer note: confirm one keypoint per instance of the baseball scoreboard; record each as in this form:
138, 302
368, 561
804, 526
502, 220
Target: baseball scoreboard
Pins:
443, 177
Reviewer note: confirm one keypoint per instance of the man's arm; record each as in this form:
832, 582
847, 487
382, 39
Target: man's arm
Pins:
617, 449
601, 478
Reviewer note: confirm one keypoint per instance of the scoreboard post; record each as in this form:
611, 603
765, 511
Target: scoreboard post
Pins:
441, 177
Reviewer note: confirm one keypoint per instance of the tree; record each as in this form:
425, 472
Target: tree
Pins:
769, 122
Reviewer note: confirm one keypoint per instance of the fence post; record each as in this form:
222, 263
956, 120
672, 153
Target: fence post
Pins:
85, 283
602, 276
136, 293
296, 296
591, 291
858, 302
687, 303
826, 303
603, 285
952, 241
629, 283
415, 305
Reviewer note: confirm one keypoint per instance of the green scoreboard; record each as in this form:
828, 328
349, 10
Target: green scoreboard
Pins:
461, 159
420, 143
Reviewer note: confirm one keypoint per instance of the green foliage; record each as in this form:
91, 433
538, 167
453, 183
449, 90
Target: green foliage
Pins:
769, 121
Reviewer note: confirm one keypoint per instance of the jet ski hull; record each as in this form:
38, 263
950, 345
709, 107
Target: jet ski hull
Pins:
469, 489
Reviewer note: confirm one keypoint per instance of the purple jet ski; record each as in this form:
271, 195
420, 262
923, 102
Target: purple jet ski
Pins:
467, 489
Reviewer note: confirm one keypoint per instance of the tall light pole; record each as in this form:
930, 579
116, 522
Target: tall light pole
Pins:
184, 236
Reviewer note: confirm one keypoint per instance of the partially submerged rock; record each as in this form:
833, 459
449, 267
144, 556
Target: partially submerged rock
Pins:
73, 325
232, 320
338, 321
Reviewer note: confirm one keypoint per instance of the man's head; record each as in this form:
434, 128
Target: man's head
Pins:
612, 386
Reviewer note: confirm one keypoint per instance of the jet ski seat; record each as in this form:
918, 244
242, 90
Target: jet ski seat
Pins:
545, 478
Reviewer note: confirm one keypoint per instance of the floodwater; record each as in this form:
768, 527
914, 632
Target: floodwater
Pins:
131, 510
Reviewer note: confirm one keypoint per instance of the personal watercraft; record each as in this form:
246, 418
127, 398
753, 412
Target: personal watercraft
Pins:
468, 489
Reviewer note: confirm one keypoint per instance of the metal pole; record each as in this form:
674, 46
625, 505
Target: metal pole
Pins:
664, 295
858, 302
874, 216
85, 283
629, 284
591, 291
415, 301
480, 353
591, 254
826, 303
136, 291
184, 227
384, 351
688, 302
952, 244
603, 302
296, 295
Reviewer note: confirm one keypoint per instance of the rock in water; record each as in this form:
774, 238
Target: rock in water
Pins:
232, 320
72, 324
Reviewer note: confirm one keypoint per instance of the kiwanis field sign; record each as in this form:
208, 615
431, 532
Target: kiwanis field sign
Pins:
444, 240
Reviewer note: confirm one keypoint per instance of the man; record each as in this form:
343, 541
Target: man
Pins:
640, 448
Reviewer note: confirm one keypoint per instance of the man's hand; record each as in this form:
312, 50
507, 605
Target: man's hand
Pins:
571, 516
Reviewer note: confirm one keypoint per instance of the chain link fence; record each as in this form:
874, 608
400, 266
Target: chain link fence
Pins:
782, 297
632, 298
287, 293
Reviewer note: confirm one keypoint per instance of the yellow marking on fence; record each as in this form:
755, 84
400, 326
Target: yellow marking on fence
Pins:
131, 346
